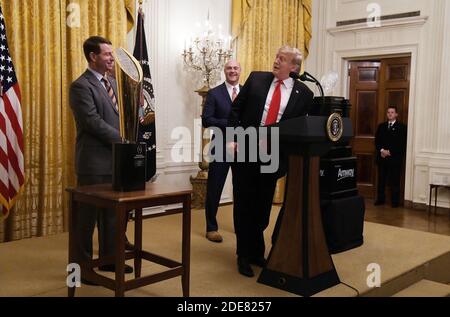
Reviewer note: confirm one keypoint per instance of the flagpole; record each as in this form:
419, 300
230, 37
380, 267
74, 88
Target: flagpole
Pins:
141, 26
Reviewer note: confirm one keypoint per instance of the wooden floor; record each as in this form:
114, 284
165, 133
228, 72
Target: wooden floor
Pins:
408, 218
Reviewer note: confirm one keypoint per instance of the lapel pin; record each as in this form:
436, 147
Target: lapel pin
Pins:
296, 91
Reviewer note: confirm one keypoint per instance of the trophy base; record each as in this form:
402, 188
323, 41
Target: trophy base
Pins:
129, 164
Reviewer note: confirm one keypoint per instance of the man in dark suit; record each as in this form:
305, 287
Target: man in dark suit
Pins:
215, 114
390, 141
265, 99
94, 105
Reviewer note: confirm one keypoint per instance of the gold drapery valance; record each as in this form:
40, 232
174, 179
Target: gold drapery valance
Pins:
45, 39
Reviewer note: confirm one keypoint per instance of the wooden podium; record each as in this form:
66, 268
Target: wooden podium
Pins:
299, 261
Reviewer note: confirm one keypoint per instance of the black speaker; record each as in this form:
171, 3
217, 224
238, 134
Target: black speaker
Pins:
343, 223
129, 166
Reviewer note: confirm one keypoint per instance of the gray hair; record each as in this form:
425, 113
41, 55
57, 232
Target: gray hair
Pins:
297, 56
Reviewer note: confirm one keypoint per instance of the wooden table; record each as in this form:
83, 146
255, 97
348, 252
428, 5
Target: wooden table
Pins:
156, 194
436, 188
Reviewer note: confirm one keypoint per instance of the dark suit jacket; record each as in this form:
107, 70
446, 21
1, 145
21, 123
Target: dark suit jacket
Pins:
248, 108
97, 124
393, 140
217, 110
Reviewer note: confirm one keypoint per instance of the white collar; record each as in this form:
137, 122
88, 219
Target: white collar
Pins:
288, 82
96, 74
392, 123
230, 86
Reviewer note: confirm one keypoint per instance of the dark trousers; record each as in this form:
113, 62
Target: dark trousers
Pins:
253, 196
87, 217
391, 172
217, 176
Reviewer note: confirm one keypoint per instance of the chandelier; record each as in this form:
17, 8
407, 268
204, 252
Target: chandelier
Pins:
207, 52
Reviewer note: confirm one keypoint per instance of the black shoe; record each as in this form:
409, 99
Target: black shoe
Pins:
112, 268
379, 202
244, 267
86, 282
395, 205
258, 261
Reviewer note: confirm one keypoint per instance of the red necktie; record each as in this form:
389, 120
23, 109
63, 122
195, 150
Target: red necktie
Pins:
274, 108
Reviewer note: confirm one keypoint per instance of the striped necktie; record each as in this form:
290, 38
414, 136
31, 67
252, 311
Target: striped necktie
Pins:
111, 93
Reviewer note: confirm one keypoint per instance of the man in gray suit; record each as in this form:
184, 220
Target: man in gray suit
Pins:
94, 105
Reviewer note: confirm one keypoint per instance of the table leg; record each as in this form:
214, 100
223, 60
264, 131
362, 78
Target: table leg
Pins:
429, 203
435, 199
120, 251
72, 237
138, 243
186, 245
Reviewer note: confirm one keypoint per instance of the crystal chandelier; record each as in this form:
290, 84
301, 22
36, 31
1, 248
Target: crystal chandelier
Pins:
207, 53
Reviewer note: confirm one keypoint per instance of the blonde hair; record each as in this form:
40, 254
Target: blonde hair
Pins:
295, 52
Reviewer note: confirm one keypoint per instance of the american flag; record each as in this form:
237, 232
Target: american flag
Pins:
12, 169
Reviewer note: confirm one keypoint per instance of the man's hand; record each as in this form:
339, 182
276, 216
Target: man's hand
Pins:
232, 147
385, 153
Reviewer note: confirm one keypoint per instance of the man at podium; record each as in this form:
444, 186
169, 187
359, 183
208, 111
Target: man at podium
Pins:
265, 99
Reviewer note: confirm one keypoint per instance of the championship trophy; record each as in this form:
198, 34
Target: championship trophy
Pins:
129, 156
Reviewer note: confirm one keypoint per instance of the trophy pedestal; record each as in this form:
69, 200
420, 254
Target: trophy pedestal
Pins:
129, 164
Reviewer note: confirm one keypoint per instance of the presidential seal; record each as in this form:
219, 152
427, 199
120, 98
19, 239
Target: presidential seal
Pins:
335, 127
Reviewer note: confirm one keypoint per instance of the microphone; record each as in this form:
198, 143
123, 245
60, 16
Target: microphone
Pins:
307, 77
295, 76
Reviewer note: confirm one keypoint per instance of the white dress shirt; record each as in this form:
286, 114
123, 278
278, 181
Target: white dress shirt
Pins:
391, 123
98, 76
286, 90
230, 89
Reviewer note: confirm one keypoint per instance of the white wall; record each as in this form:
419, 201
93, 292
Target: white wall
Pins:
167, 24
427, 40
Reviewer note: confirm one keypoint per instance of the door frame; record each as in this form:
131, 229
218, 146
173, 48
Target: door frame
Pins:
341, 60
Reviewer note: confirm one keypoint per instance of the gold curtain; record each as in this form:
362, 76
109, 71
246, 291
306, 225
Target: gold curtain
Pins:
45, 38
260, 27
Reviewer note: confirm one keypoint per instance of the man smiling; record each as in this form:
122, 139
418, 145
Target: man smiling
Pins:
93, 99
215, 114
